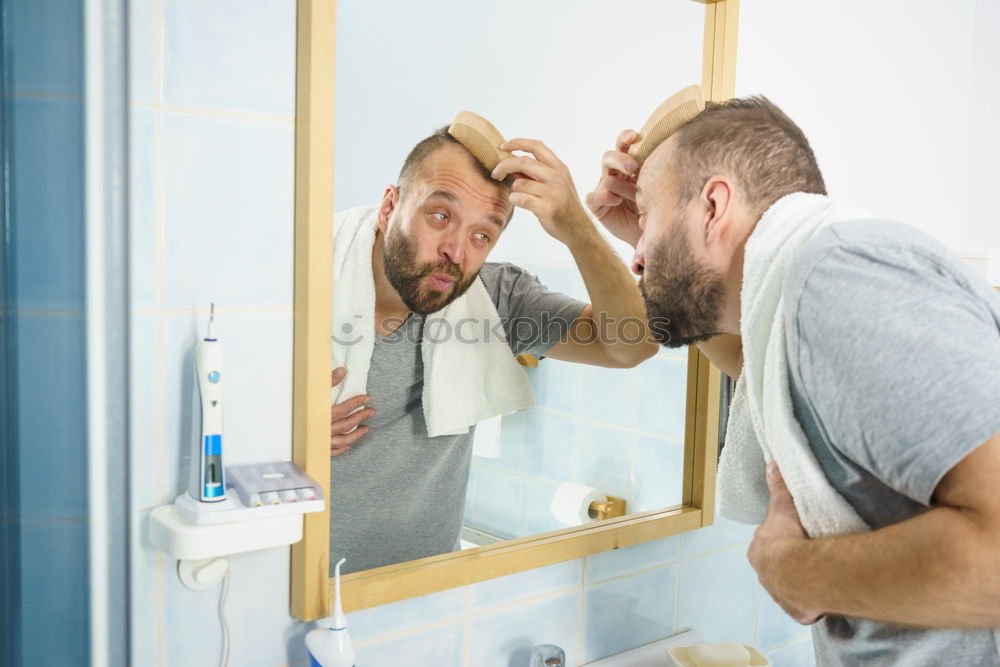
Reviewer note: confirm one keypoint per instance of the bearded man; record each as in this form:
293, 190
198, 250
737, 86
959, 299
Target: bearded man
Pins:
864, 435
401, 434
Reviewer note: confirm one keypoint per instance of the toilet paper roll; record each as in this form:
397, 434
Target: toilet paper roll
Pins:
571, 503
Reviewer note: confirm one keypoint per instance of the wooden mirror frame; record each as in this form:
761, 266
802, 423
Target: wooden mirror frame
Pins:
314, 211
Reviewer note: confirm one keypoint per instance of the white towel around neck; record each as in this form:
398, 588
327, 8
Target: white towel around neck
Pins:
464, 382
762, 425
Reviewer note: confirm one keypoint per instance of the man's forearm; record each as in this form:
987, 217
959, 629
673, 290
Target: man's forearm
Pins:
939, 569
618, 308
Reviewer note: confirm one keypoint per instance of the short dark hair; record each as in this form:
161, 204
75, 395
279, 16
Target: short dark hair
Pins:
755, 142
430, 145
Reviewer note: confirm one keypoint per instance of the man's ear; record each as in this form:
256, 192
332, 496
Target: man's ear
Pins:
717, 202
390, 200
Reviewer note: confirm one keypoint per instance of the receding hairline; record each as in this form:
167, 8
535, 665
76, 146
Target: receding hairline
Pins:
656, 168
500, 187
429, 146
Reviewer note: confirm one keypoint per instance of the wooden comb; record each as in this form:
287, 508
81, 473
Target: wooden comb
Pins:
479, 137
677, 110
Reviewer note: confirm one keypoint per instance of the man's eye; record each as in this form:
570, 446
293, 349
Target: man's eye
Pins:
443, 217
483, 237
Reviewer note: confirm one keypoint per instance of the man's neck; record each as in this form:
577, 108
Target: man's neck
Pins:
730, 320
388, 304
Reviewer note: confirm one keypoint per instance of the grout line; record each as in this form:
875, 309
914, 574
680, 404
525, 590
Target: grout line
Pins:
158, 379
617, 427
713, 551
160, 608
798, 640
204, 311
31, 523
410, 632
466, 642
43, 95
515, 473
471, 615
196, 111
646, 570
756, 614
677, 596
524, 601
44, 313
158, 59
581, 631
575, 465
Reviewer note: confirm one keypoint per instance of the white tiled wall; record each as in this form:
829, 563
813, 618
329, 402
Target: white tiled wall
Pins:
212, 132
211, 197
621, 431
592, 607
212, 129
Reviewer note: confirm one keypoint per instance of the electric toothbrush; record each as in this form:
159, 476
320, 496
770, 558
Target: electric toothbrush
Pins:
332, 647
208, 483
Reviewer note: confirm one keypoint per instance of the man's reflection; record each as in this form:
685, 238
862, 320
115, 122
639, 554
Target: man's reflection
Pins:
397, 492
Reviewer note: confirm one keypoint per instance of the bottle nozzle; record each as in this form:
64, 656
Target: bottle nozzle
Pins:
337, 621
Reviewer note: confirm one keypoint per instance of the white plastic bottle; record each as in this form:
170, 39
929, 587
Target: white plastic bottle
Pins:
332, 647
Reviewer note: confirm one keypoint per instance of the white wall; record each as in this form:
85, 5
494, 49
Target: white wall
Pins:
573, 74
884, 92
984, 221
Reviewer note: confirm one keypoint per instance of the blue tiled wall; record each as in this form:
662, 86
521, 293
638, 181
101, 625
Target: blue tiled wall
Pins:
42, 111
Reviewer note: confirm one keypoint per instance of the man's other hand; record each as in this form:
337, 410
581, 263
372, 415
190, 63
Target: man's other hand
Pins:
774, 541
346, 416
613, 200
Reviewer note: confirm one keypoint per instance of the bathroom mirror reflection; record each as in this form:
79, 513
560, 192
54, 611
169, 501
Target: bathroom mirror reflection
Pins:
572, 75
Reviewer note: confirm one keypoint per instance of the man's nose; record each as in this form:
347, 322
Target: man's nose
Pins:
453, 247
639, 258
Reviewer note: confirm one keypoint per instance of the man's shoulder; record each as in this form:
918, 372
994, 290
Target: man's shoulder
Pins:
494, 273
504, 281
846, 260
849, 246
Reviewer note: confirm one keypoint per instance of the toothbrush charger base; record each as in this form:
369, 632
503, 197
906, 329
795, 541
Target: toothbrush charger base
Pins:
176, 537
231, 509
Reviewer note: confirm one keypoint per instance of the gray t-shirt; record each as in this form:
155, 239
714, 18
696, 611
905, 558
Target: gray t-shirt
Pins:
399, 494
894, 357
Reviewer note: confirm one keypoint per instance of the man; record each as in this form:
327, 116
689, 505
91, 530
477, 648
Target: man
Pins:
893, 353
396, 492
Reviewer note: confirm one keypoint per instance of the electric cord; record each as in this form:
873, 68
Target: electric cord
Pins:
226, 638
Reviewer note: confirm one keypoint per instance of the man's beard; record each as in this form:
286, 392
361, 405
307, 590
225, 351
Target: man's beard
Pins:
407, 277
683, 297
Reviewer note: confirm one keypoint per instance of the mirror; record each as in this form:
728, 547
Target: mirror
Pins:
396, 83
572, 75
